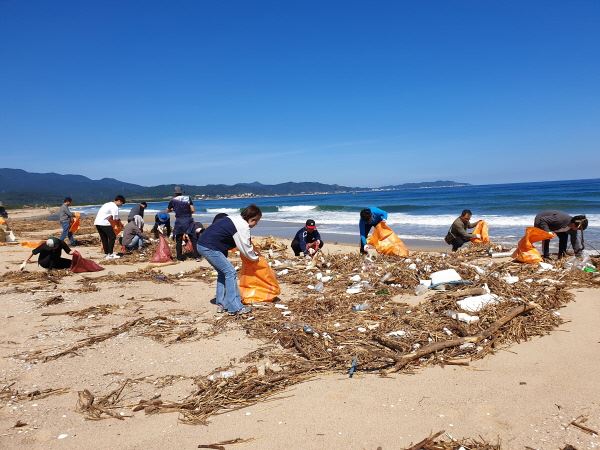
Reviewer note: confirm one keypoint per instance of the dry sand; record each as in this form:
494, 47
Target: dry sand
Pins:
524, 396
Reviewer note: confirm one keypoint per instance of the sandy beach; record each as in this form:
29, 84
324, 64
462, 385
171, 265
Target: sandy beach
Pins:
523, 395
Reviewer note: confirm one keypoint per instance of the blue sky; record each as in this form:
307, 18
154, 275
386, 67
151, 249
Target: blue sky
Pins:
348, 92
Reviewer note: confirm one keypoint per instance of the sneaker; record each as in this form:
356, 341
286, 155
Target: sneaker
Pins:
220, 309
108, 257
114, 256
244, 310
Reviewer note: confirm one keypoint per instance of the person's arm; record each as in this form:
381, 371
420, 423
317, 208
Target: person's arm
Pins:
458, 230
318, 236
24, 263
170, 206
362, 228
383, 215
192, 207
242, 239
301, 235
65, 247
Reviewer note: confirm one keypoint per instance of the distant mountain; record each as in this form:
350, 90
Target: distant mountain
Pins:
19, 187
432, 184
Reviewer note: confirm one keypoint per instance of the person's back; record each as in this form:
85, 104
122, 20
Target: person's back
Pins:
219, 236
552, 220
49, 254
137, 210
182, 206
129, 232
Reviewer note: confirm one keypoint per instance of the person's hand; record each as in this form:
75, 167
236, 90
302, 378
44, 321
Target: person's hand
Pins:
311, 251
22, 266
367, 247
478, 236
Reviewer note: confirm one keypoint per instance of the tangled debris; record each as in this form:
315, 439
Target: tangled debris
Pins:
433, 443
321, 332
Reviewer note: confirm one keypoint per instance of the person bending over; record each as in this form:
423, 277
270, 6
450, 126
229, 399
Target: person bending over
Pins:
564, 226
137, 210
307, 240
50, 255
162, 224
106, 217
214, 243
369, 218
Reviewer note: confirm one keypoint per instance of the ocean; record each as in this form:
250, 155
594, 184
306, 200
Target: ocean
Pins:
423, 214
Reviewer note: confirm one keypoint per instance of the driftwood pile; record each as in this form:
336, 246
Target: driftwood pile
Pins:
318, 331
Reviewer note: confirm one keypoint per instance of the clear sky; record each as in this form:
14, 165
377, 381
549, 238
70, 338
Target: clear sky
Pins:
352, 92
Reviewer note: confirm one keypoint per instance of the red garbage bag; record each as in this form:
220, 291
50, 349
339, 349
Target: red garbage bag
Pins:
163, 251
79, 264
188, 247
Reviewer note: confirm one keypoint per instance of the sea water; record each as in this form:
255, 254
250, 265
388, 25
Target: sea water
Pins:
423, 214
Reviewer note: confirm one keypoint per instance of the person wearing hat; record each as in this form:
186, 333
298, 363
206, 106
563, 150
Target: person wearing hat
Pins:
50, 255
369, 218
183, 207
137, 210
564, 226
162, 224
307, 240
133, 234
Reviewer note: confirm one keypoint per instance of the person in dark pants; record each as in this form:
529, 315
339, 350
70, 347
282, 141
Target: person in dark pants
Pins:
458, 234
369, 218
3, 212
184, 208
162, 221
564, 226
107, 215
50, 255
193, 233
65, 218
137, 210
307, 240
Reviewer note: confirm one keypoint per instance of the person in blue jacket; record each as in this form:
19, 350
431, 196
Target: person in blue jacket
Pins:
307, 240
369, 217
214, 244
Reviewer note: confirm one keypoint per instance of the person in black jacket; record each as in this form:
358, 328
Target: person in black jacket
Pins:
50, 255
564, 226
307, 240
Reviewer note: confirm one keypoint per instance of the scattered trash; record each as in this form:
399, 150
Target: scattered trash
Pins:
319, 287
308, 329
545, 266
62, 436
509, 279
421, 289
444, 276
398, 333
354, 289
463, 317
355, 278
280, 306
360, 307
362, 329
283, 272
224, 374
352, 368
478, 302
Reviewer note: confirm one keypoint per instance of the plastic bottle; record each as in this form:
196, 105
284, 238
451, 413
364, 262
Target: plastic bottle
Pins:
221, 375
360, 307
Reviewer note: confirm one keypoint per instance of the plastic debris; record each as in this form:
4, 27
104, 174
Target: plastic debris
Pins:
463, 317
360, 307
509, 279
352, 368
421, 289
545, 266
280, 306
398, 333
221, 375
355, 278
477, 302
283, 272
445, 276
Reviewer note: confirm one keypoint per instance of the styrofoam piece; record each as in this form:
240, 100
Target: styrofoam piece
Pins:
398, 333
510, 279
353, 290
545, 266
445, 276
426, 283
463, 317
503, 254
325, 279
355, 278
477, 302
283, 272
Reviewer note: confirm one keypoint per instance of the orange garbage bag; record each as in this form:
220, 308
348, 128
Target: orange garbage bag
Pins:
79, 264
76, 223
526, 252
258, 282
2, 221
116, 225
386, 241
163, 251
31, 244
482, 229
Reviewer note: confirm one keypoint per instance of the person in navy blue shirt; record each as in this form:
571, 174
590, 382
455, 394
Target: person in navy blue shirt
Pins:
184, 208
369, 218
214, 244
307, 240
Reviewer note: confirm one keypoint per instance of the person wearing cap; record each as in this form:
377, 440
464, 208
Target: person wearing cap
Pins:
133, 234
65, 218
108, 214
137, 210
564, 226
307, 240
369, 218
162, 224
50, 255
184, 208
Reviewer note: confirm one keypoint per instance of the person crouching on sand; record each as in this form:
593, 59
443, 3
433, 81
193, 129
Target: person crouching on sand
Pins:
458, 233
214, 243
369, 218
107, 215
133, 234
50, 255
307, 240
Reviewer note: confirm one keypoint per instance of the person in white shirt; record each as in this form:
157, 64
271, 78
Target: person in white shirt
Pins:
106, 217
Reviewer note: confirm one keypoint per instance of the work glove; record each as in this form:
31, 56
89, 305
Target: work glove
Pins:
22, 266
